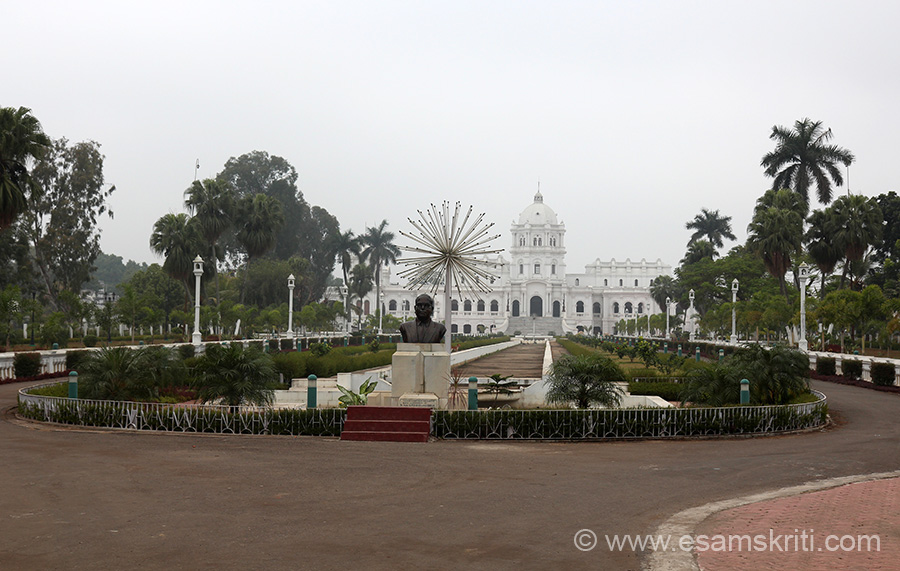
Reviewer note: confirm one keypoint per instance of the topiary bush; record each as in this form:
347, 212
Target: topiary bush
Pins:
826, 366
90, 340
883, 374
852, 369
27, 364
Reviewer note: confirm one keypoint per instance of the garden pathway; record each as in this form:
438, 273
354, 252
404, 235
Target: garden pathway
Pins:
523, 361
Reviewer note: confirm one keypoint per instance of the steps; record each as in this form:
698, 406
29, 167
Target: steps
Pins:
539, 325
387, 424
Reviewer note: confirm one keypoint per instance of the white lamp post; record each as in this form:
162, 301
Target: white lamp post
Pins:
734, 290
668, 310
691, 313
290, 331
804, 276
344, 291
196, 338
380, 311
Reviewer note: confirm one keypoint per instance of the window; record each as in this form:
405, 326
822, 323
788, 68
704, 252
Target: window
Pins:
579, 307
576, 281
495, 305
467, 328
454, 305
480, 305
392, 305
635, 283
640, 308
616, 307
553, 269
553, 240
597, 307
521, 269
606, 282
405, 305
540, 241
454, 328
467, 305
537, 269
521, 240
534, 241
515, 308
620, 283
480, 328
628, 307
556, 309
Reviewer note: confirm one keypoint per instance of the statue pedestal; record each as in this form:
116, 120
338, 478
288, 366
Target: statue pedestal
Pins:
420, 375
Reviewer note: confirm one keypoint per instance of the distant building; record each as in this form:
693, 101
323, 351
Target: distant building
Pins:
533, 292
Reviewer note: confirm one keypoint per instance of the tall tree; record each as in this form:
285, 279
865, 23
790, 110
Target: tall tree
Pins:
318, 237
379, 251
177, 238
821, 245
776, 231
699, 250
803, 158
359, 286
260, 219
858, 225
62, 221
22, 140
712, 226
661, 288
347, 248
212, 204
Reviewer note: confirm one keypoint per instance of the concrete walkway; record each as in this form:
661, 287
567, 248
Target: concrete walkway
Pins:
523, 361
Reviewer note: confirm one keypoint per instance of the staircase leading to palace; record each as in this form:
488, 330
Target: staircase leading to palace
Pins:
535, 325
387, 424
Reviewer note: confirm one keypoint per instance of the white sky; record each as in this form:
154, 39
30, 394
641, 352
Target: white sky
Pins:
633, 115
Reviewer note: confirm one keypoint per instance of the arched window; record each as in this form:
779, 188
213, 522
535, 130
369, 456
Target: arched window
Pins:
454, 305
480, 305
467, 328
467, 305
606, 282
480, 328
616, 307
556, 312
628, 307
579, 307
454, 328
392, 305
495, 305
540, 241
521, 268
515, 308
366, 307
405, 305
553, 269
620, 283
534, 241
596, 308
640, 308
537, 269
635, 283
521, 240
576, 281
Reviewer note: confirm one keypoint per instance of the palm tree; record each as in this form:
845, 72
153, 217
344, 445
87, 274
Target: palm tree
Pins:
711, 225
821, 245
235, 375
261, 218
116, 373
802, 158
360, 284
699, 250
211, 202
379, 251
858, 225
776, 231
21, 140
661, 288
585, 379
177, 237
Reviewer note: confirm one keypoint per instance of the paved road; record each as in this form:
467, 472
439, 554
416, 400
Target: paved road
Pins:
76, 499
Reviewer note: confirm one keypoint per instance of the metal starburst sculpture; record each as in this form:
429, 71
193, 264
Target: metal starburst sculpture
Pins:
451, 251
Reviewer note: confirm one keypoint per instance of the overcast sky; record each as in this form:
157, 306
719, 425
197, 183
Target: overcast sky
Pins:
633, 115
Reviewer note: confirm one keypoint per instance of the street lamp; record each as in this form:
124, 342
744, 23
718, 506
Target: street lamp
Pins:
668, 310
734, 290
290, 331
804, 276
344, 290
380, 311
691, 313
196, 338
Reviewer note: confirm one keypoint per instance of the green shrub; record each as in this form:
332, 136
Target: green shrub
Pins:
320, 349
852, 369
74, 359
883, 374
668, 391
55, 390
185, 351
27, 364
826, 366
90, 340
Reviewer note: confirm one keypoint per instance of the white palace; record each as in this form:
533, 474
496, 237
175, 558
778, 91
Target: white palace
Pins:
534, 293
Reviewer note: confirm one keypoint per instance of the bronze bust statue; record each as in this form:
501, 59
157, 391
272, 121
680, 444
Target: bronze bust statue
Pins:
423, 329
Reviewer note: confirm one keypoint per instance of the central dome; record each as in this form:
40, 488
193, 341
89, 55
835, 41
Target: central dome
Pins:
538, 213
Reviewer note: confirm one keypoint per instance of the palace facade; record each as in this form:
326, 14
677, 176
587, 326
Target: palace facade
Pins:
534, 294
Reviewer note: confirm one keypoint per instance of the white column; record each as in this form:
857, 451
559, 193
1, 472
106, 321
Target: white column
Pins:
196, 337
